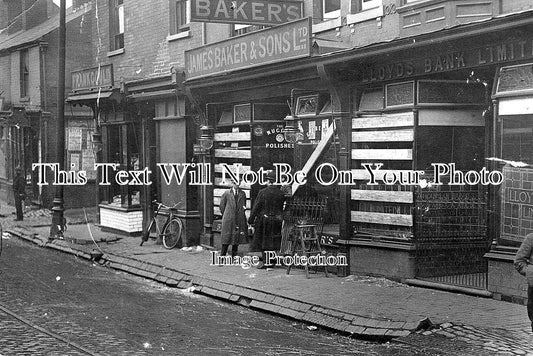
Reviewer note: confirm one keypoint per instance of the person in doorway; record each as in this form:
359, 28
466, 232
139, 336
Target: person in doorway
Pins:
234, 228
266, 216
523, 263
19, 191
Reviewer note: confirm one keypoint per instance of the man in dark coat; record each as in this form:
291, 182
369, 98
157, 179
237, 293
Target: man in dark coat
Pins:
523, 263
234, 228
19, 191
266, 216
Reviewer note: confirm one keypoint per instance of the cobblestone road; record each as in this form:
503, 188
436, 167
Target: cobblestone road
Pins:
115, 314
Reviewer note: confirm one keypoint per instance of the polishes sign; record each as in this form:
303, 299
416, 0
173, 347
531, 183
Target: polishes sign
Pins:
269, 12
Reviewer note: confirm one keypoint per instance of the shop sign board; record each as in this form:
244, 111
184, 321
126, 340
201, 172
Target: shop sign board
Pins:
254, 12
276, 44
517, 203
458, 59
92, 78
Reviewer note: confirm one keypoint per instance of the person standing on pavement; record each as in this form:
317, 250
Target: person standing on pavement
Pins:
266, 216
523, 264
19, 191
234, 228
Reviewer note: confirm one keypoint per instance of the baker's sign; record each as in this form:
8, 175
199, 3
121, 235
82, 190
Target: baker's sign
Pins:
280, 43
254, 12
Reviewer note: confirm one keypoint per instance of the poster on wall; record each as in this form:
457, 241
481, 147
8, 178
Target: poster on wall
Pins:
74, 139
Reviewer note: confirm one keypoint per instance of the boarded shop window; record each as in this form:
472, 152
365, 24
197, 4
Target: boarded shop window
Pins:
116, 22
180, 16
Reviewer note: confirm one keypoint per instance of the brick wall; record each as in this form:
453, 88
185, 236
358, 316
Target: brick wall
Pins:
5, 77
127, 221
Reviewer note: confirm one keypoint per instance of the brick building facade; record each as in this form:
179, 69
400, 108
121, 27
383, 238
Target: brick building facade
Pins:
28, 58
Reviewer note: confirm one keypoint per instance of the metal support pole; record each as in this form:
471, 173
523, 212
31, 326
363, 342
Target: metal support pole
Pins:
56, 230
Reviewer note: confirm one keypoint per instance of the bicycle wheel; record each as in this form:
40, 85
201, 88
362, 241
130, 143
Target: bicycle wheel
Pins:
146, 233
172, 234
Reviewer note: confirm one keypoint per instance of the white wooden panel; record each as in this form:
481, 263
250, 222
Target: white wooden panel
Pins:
383, 136
381, 195
232, 168
233, 136
382, 154
435, 117
391, 120
226, 153
382, 218
362, 174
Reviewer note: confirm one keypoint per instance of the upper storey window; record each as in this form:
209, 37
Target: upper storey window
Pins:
180, 19
331, 9
116, 24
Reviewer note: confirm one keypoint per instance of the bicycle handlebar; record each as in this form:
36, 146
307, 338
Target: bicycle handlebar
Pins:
161, 205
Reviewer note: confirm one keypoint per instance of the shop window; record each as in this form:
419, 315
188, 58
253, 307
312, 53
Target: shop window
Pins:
463, 146
371, 100
24, 73
116, 22
123, 149
180, 16
517, 138
331, 9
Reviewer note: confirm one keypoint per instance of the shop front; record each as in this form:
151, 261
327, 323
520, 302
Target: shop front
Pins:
424, 182
271, 115
110, 139
513, 201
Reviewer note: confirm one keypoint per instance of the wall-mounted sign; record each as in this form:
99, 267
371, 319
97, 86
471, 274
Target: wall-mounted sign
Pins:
92, 78
277, 44
517, 203
255, 12
463, 56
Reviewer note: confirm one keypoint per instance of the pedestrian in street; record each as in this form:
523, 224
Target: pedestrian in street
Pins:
267, 216
19, 191
523, 263
234, 228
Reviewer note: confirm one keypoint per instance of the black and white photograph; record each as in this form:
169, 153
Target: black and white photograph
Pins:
266, 177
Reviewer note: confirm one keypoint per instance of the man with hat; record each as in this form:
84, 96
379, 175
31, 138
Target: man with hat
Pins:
19, 191
266, 216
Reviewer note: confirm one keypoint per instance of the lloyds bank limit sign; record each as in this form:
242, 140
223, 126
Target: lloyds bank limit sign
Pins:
280, 43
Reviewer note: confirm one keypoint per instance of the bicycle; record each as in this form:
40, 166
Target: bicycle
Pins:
172, 230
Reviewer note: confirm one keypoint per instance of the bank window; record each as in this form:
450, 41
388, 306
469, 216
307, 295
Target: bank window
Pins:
180, 16
331, 9
116, 24
24, 73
